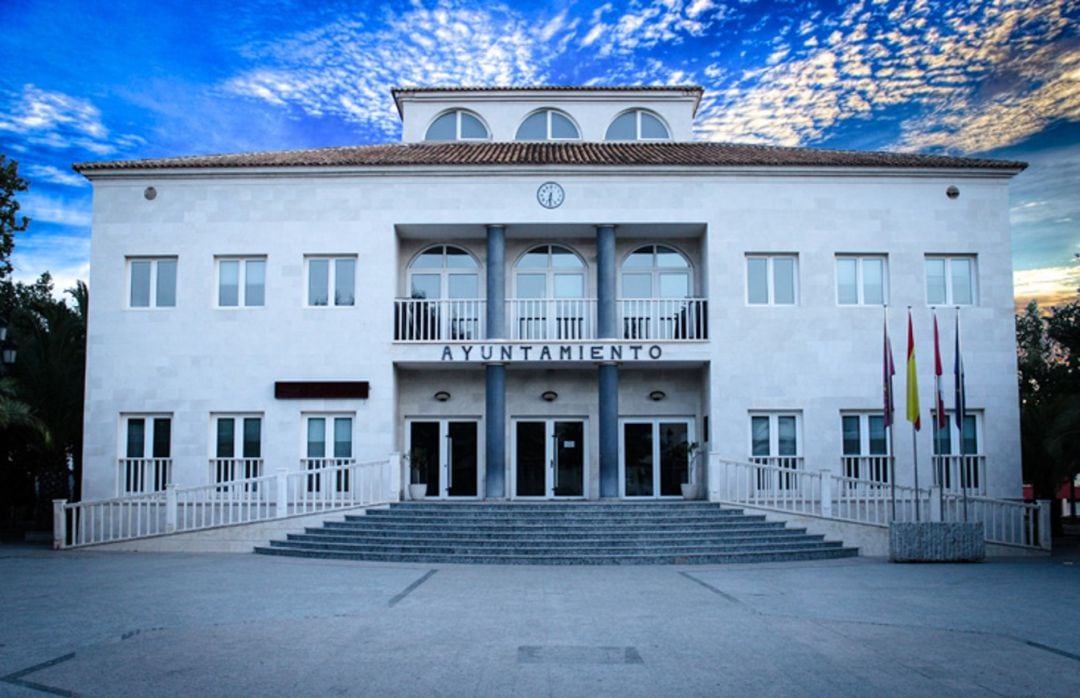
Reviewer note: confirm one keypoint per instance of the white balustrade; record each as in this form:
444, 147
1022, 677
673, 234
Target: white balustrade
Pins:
440, 320
957, 472
320, 485
140, 475
657, 319
551, 319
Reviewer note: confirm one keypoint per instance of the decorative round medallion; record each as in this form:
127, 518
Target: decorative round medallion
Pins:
550, 195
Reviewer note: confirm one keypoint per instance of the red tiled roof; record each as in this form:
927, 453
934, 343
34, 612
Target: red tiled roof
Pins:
685, 154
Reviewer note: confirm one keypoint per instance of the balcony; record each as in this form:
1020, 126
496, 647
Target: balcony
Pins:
550, 319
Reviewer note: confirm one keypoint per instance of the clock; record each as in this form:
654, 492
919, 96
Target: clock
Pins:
550, 195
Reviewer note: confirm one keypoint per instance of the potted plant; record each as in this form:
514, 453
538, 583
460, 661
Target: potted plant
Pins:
689, 451
418, 462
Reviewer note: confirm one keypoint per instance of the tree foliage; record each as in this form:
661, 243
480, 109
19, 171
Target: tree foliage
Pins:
10, 185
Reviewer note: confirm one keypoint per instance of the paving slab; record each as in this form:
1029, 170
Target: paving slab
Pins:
136, 624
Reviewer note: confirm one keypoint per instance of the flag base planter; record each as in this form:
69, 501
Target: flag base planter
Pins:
936, 542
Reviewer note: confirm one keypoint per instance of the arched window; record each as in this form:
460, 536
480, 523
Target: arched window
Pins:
457, 125
547, 125
445, 300
637, 125
549, 290
656, 299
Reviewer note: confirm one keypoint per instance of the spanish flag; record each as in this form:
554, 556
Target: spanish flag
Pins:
912, 378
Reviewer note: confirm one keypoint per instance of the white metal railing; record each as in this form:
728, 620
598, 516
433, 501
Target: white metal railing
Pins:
551, 319
442, 320
875, 468
141, 475
958, 472
663, 318
320, 485
781, 483
225, 470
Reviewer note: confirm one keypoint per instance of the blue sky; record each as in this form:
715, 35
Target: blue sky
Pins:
132, 79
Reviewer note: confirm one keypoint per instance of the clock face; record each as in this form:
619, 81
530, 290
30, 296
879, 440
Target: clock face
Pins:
550, 195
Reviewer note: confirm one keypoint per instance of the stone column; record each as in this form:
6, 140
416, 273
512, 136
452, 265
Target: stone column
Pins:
495, 374
608, 374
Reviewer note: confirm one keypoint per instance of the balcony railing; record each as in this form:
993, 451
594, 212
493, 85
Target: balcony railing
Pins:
550, 319
139, 475
961, 472
226, 470
874, 468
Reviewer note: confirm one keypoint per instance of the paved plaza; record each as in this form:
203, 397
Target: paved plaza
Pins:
139, 624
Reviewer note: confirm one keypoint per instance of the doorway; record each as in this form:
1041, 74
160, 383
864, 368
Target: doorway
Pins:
656, 456
445, 453
549, 458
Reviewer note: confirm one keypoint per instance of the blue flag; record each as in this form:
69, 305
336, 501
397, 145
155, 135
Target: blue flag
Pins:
958, 378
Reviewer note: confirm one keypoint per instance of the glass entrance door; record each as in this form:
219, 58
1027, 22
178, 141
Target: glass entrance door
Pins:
445, 454
656, 456
549, 458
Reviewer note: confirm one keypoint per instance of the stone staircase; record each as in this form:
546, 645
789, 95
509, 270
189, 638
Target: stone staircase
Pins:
558, 533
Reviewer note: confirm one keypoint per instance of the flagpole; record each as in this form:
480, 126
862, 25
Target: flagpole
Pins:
939, 417
888, 371
914, 424
961, 400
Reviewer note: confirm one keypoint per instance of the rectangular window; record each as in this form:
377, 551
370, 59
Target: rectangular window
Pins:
331, 281
147, 462
951, 468
865, 446
775, 442
951, 280
237, 448
152, 283
771, 279
861, 280
241, 282
335, 431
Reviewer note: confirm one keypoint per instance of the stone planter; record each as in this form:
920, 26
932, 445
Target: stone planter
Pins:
933, 541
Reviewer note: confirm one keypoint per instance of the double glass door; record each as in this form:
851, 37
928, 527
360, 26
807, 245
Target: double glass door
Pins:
656, 456
444, 454
549, 458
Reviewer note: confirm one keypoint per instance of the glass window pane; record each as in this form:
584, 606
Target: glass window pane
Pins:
961, 281
316, 437
471, 127
651, 127
536, 258
667, 257
971, 445
343, 437
255, 282
757, 285
136, 438
344, 281
569, 286
443, 129
641, 258
426, 286
457, 258
637, 285
162, 437
873, 274
935, 281
784, 280
564, 259
759, 433
623, 128
226, 437
675, 285
879, 446
464, 286
847, 293
852, 444
531, 286
562, 127
318, 282
785, 431
140, 284
252, 437
229, 283
428, 259
943, 439
534, 128
166, 283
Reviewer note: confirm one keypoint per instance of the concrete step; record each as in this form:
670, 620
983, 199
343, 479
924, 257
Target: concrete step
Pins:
616, 536
538, 548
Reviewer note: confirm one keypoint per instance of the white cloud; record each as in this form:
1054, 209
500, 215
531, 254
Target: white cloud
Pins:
1050, 286
41, 208
59, 121
50, 173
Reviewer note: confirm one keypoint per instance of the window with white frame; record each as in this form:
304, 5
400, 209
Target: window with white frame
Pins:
862, 280
147, 462
951, 280
955, 468
771, 279
241, 282
331, 281
328, 444
866, 446
637, 125
151, 282
547, 125
237, 447
776, 442
457, 125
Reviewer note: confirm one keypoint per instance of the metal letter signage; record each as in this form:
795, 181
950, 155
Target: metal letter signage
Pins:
550, 353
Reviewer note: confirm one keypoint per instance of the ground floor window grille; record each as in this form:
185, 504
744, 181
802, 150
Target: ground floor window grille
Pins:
866, 447
957, 468
329, 444
147, 462
237, 450
774, 441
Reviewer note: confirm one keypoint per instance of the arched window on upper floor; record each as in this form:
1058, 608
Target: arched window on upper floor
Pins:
637, 125
457, 125
656, 296
445, 297
548, 125
549, 290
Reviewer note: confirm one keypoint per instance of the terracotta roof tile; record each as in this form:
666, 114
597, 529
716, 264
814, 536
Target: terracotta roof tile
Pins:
692, 154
